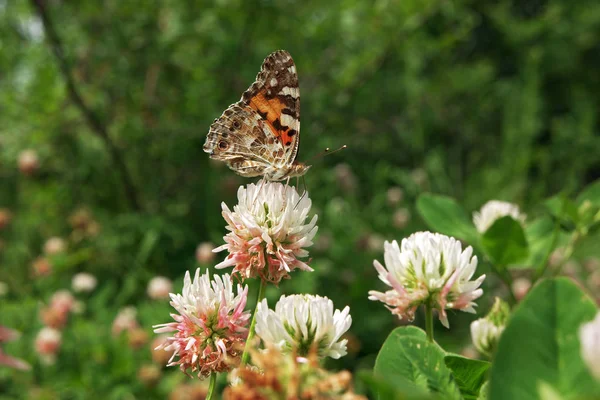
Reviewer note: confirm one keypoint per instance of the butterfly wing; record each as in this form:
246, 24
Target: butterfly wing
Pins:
262, 129
275, 95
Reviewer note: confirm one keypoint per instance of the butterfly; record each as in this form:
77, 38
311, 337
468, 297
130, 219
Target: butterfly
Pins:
259, 135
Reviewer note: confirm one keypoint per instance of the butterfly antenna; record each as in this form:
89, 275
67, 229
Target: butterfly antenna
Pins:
327, 152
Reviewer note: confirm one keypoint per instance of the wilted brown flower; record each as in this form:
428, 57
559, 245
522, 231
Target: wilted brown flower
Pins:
41, 267
137, 338
5, 217
288, 377
195, 391
149, 374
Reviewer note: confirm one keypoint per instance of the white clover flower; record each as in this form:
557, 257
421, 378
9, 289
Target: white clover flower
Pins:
485, 332
485, 335
83, 282
54, 245
269, 232
211, 327
493, 210
428, 267
589, 336
159, 287
301, 322
47, 344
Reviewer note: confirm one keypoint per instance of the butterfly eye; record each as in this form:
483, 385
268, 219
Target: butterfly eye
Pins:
223, 145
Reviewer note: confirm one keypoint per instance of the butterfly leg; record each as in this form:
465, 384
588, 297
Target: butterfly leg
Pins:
262, 183
304, 192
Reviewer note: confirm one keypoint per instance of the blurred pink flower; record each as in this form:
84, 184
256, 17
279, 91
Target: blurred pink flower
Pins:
125, 321
8, 335
210, 327
41, 267
428, 267
520, 287
269, 232
204, 252
56, 314
159, 287
47, 344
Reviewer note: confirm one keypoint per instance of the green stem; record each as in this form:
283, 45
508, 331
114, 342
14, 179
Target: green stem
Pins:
261, 295
429, 321
211, 386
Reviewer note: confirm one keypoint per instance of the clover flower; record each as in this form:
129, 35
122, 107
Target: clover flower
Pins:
493, 210
47, 344
589, 336
428, 268
83, 282
286, 376
268, 232
210, 328
485, 332
159, 287
8, 335
301, 322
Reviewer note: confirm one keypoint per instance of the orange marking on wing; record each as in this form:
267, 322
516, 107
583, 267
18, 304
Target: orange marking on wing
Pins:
273, 109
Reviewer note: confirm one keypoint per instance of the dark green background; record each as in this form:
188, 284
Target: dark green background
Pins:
478, 100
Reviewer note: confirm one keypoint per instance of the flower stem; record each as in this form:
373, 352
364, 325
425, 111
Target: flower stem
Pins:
261, 295
211, 385
429, 321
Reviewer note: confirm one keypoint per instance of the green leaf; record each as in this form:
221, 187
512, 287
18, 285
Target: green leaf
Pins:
590, 193
562, 208
444, 215
469, 374
504, 242
415, 365
540, 344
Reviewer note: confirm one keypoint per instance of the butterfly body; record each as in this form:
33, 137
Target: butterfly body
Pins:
259, 135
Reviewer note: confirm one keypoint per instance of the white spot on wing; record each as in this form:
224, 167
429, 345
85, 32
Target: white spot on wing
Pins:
273, 82
288, 121
290, 91
292, 69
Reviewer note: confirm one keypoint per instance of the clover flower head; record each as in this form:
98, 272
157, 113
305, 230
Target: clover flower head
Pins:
269, 232
493, 210
589, 336
428, 268
210, 325
301, 322
485, 332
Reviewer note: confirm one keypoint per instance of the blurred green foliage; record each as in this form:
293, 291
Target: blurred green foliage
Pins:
478, 100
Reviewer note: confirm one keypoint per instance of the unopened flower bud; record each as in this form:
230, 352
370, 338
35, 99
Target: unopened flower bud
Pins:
485, 332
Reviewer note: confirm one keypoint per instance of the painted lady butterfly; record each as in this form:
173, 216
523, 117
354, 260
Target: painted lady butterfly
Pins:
259, 135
